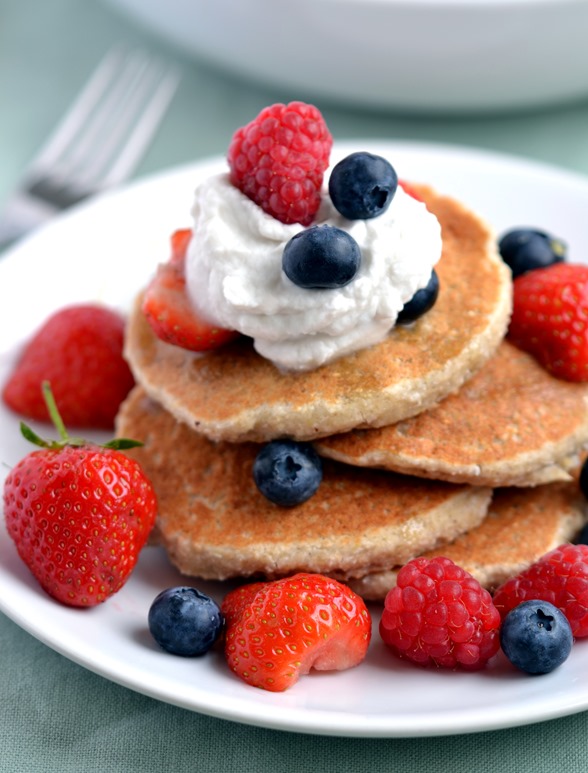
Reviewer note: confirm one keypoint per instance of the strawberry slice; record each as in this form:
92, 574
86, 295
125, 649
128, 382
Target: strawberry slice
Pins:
280, 630
168, 310
180, 240
408, 188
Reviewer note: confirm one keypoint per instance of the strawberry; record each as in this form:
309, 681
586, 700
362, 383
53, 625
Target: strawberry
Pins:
168, 310
235, 602
278, 160
79, 350
550, 318
408, 188
277, 631
78, 513
180, 241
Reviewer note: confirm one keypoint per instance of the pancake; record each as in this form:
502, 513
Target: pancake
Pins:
512, 424
521, 526
233, 394
215, 524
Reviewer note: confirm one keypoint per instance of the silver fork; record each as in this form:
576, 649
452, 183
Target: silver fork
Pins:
97, 144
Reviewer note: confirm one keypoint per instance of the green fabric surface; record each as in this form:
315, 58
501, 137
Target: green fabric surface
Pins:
56, 717
54, 714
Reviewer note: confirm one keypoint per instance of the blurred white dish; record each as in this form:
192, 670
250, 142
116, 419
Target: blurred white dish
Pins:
418, 55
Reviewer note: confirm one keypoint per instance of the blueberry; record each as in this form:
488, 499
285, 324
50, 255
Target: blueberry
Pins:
185, 621
287, 473
582, 538
362, 186
321, 257
536, 637
423, 300
525, 249
583, 481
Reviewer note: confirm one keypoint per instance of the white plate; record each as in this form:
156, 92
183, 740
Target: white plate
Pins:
105, 251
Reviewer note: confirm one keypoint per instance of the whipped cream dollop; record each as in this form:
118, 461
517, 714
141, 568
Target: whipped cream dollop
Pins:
235, 279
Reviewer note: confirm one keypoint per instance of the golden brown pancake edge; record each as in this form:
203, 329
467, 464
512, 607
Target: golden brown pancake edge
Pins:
215, 524
522, 525
512, 424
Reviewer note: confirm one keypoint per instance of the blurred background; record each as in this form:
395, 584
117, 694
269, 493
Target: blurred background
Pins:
484, 73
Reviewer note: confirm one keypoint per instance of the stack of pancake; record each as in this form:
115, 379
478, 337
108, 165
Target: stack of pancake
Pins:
444, 439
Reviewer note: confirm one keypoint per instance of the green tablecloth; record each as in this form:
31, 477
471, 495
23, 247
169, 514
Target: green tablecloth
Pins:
56, 716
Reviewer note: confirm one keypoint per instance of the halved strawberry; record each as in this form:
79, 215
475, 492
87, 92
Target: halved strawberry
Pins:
168, 310
280, 630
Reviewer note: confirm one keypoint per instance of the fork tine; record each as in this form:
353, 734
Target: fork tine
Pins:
97, 144
144, 130
76, 116
129, 124
98, 123
118, 112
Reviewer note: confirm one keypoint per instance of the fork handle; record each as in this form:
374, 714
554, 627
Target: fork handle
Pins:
20, 215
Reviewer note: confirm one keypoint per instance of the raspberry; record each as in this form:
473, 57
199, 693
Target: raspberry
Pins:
439, 615
278, 160
560, 577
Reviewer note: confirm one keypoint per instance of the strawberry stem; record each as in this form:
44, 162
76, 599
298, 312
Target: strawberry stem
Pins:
54, 414
65, 439
32, 437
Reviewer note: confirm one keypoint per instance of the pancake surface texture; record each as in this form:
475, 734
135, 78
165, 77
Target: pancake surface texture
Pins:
215, 524
234, 394
521, 526
512, 424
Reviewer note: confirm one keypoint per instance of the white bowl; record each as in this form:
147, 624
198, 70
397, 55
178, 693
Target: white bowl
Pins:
417, 55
